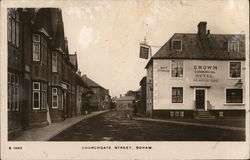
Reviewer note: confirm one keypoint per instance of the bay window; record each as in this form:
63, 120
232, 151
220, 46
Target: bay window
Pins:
36, 47
54, 98
39, 95
40, 48
13, 92
54, 61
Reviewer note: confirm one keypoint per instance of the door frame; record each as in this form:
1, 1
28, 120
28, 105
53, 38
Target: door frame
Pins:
205, 92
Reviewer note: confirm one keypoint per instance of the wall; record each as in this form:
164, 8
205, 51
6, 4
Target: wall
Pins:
163, 83
149, 90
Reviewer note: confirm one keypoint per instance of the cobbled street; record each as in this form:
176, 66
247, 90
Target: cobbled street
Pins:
116, 126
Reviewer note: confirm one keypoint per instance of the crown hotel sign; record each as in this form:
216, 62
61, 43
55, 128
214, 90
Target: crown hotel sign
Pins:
144, 51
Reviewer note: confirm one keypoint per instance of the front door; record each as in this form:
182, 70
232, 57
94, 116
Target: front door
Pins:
200, 99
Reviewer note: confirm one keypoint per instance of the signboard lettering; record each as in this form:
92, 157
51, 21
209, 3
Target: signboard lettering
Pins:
205, 73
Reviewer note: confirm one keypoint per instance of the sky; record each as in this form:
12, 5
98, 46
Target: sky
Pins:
106, 34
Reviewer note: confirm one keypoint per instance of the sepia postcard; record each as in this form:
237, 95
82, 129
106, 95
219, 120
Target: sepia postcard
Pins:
124, 79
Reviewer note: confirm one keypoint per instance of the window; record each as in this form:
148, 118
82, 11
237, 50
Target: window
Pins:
54, 98
233, 46
44, 50
176, 45
13, 27
39, 95
177, 68
36, 47
44, 96
234, 95
235, 69
13, 92
54, 61
177, 95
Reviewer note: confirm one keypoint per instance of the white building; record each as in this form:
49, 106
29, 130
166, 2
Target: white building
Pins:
201, 75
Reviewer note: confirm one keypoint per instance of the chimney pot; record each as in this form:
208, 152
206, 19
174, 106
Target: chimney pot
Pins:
208, 32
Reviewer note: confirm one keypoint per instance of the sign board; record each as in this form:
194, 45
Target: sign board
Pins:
205, 73
144, 51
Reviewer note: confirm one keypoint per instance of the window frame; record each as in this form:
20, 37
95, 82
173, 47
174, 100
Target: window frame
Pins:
37, 42
183, 64
13, 32
234, 103
52, 100
171, 100
56, 62
233, 42
229, 76
13, 92
39, 100
172, 44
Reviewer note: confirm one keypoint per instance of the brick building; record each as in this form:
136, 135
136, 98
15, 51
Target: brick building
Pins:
200, 75
41, 77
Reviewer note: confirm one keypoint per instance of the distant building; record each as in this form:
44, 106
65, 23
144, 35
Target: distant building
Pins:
125, 102
82, 95
100, 96
198, 74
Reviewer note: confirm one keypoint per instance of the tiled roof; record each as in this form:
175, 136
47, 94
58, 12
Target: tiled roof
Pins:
90, 82
213, 47
80, 81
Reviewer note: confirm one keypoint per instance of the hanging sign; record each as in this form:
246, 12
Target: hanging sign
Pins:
144, 51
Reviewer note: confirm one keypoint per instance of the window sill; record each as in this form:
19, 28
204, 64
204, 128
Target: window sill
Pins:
39, 111
177, 78
231, 78
234, 104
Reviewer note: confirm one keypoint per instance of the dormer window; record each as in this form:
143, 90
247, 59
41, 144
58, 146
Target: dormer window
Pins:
233, 46
176, 45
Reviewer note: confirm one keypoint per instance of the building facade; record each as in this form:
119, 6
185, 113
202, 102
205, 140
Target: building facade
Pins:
198, 75
143, 96
100, 98
41, 77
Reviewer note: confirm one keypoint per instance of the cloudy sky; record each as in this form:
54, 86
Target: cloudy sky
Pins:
106, 34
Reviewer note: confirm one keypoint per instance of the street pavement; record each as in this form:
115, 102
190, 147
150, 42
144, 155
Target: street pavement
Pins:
46, 133
117, 126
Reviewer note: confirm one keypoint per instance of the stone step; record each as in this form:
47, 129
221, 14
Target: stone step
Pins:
204, 115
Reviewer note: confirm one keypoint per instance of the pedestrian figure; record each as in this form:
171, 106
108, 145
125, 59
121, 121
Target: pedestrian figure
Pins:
134, 105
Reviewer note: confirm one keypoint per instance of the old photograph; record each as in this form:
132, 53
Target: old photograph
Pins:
126, 71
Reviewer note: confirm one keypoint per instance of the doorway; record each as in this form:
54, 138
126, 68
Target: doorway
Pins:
200, 99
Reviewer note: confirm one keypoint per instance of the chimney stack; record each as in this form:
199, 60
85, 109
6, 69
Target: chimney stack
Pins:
202, 27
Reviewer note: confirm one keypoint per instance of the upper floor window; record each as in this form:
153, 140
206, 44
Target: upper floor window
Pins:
233, 46
176, 45
13, 27
234, 69
44, 50
39, 48
177, 68
36, 47
54, 61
